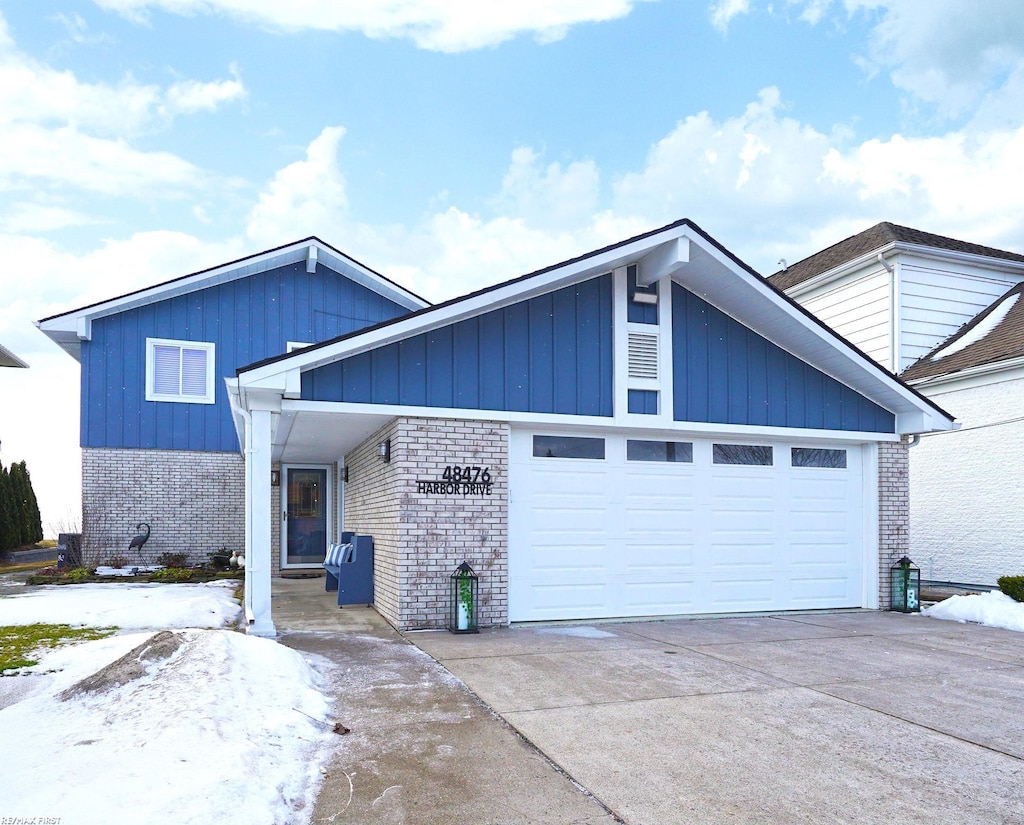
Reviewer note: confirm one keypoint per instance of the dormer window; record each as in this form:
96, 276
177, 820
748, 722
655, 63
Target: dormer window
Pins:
180, 371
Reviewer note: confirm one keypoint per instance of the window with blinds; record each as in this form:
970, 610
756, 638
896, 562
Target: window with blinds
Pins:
179, 371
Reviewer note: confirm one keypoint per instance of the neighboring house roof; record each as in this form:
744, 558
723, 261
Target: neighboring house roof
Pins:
68, 329
681, 250
9, 359
991, 337
875, 239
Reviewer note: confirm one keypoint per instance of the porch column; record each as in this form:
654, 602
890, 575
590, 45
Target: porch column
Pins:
257, 523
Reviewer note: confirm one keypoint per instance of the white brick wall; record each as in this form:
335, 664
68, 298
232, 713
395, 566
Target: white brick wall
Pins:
893, 513
967, 488
193, 501
420, 538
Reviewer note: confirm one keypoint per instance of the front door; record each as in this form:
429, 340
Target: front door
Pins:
306, 516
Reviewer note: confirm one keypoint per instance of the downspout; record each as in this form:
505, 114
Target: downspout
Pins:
894, 314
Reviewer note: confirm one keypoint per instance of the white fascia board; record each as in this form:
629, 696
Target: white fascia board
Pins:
751, 301
77, 321
237, 413
899, 247
631, 423
486, 301
1009, 370
664, 261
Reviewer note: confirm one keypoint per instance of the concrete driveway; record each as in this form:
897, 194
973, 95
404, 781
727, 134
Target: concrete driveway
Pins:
842, 717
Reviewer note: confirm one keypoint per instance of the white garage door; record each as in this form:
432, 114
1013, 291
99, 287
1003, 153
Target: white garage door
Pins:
689, 526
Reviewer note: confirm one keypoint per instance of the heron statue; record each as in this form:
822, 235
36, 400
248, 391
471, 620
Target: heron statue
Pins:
140, 539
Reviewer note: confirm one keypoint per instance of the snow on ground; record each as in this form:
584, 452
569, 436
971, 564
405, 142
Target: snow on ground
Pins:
128, 606
214, 732
994, 609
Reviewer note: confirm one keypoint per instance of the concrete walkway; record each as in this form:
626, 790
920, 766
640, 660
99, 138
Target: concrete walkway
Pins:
422, 749
853, 717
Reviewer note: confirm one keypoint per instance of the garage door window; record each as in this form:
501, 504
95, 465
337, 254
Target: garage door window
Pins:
558, 446
742, 454
678, 451
809, 457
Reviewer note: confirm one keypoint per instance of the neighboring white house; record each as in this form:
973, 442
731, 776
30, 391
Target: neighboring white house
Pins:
948, 317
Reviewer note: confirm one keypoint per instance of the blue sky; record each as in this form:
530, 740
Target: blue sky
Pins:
452, 144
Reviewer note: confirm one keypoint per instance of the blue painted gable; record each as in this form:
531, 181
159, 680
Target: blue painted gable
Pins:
553, 354
724, 373
247, 319
549, 354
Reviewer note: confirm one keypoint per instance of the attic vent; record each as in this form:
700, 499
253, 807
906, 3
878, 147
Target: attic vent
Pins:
643, 355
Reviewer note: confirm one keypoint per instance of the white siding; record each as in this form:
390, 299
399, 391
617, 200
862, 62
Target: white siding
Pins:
936, 302
857, 307
966, 490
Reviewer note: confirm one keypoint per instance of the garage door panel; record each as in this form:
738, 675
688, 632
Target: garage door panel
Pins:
655, 598
568, 558
568, 597
823, 552
743, 555
618, 538
822, 591
743, 594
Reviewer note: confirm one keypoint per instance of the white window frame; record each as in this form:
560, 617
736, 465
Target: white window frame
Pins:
210, 349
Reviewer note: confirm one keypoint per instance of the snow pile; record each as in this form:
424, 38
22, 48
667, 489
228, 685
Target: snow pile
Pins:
987, 325
994, 609
213, 733
128, 606
214, 726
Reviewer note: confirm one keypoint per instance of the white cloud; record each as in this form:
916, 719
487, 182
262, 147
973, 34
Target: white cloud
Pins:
58, 133
32, 156
943, 52
723, 11
553, 195
304, 198
437, 25
191, 96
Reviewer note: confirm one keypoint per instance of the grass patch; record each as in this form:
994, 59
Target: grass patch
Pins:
26, 565
19, 642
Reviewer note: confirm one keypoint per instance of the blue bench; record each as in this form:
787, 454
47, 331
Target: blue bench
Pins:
349, 566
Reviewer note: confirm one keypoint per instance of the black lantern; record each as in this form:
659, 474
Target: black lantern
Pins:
462, 617
906, 587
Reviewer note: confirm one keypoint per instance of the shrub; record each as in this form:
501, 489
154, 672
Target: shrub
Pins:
117, 562
79, 574
172, 575
1012, 586
173, 559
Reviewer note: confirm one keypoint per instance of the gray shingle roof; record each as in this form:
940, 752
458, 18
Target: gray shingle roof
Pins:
1005, 341
876, 237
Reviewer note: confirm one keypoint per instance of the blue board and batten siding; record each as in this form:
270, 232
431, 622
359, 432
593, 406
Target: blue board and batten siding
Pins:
549, 354
248, 319
553, 354
724, 373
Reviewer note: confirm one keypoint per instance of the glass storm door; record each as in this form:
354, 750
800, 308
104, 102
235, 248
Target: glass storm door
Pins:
306, 516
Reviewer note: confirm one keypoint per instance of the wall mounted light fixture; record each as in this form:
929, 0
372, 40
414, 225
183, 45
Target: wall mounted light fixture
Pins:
275, 478
384, 450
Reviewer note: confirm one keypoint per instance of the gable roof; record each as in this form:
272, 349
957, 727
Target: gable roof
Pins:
992, 336
682, 251
878, 238
68, 329
9, 359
